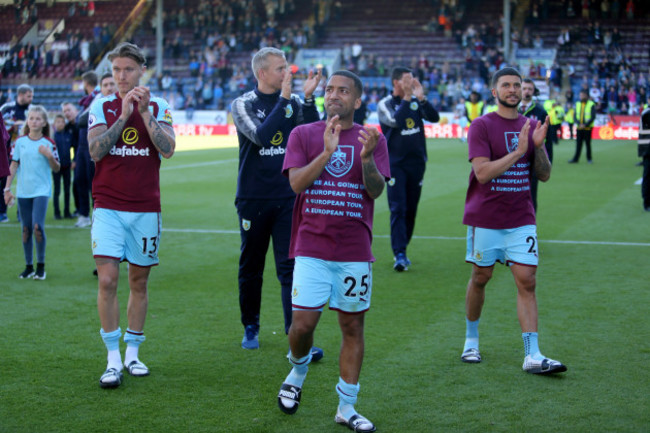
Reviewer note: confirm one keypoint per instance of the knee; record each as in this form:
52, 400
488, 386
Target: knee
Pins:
38, 232
527, 285
26, 233
480, 278
300, 327
107, 286
352, 328
138, 286
397, 208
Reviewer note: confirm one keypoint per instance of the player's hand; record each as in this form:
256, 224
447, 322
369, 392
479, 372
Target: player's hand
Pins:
407, 86
522, 147
311, 83
331, 135
144, 96
418, 90
127, 106
9, 198
539, 134
369, 137
45, 151
287, 82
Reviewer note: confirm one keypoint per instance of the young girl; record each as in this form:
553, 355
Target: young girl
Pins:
34, 156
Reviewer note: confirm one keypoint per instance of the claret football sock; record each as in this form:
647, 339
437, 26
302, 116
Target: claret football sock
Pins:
531, 346
133, 340
347, 397
471, 334
298, 373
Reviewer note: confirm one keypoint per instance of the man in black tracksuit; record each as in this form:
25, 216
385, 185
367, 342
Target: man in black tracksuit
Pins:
401, 117
264, 118
531, 109
644, 152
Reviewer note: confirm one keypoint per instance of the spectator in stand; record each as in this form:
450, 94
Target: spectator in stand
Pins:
642, 97
356, 51
629, 10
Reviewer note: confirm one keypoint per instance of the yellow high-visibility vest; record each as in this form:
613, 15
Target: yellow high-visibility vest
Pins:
581, 109
473, 110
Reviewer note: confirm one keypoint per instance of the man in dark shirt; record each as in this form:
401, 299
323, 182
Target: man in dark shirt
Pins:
532, 110
264, 118
13, 114
585, 118
644, 151
401, 117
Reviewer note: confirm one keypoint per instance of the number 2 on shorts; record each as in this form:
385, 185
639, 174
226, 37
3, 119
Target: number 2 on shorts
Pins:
353, 283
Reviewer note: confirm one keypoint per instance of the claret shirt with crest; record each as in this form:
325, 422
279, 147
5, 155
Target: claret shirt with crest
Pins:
504, 202
127, 178
332, 219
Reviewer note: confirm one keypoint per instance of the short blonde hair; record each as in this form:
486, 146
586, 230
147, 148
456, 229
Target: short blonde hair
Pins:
126, 49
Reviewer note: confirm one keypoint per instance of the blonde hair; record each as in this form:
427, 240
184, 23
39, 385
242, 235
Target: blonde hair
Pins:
43, 111
126, 49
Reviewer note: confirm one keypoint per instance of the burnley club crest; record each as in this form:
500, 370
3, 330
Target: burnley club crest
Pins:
512, 141
341, 161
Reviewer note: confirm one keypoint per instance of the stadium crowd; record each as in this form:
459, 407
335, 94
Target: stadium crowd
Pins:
212, 37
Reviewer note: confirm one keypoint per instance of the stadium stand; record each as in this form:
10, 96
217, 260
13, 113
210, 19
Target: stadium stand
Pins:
450, 44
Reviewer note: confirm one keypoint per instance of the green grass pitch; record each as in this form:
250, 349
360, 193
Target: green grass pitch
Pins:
593, 294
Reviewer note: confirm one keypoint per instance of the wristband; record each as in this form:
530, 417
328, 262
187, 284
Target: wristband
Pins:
309, 100
7, 189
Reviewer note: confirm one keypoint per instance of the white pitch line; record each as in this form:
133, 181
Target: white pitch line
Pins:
199, 164
441, 238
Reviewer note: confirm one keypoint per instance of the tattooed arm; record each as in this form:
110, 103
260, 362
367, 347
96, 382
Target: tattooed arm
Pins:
101, 139
542, 165
162, 135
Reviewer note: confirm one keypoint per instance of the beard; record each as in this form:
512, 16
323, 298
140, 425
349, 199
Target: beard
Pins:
342, 111
508, 104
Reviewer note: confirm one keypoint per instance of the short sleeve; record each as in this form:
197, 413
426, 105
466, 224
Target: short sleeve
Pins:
96, 114
381, 157
55, 151
15, 153
477, 140
164, 113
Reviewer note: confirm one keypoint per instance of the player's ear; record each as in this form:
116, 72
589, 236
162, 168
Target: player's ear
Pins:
357, 103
